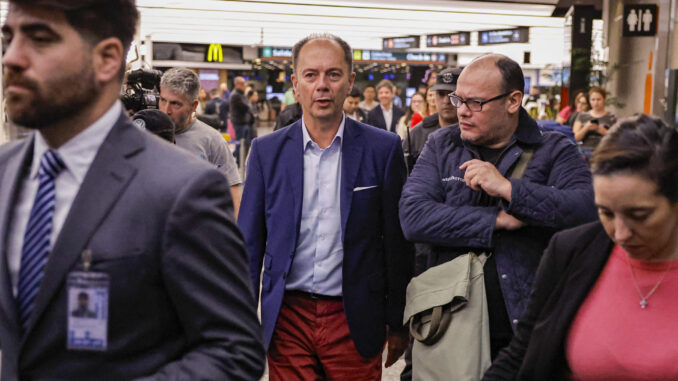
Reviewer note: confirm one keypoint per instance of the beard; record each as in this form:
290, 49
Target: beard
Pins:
57, 99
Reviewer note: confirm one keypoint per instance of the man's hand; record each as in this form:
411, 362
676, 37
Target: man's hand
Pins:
396, 343
507, 221
483, 175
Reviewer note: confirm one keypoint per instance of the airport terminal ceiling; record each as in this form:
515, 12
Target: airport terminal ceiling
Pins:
362, 23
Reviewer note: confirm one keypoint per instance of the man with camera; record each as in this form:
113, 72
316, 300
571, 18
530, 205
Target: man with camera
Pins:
90, 203
179, 88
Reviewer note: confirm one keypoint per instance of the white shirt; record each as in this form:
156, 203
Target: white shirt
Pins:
388, 116
317, 263
77, 155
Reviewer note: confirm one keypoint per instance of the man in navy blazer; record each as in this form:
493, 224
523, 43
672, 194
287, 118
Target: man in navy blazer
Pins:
387, 114
320, 213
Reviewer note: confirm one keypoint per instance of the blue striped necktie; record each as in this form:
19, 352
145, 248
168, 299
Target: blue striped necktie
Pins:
36, 248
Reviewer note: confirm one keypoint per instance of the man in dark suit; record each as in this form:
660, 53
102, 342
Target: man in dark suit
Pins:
351, 107
90, 197
386, 115
320, 214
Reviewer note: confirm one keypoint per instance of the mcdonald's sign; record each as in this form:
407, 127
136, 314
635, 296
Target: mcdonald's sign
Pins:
215, 53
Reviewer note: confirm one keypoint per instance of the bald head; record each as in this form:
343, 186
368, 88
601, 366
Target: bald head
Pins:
509, 70
239, 83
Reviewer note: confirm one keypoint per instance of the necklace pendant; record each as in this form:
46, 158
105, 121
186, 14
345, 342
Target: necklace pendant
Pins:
643, 303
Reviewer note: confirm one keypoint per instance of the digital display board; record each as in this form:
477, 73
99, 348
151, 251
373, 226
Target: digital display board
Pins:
401, 43
504, 36
448, 39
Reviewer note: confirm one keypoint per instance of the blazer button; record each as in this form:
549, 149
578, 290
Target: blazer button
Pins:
515, 321
504, 276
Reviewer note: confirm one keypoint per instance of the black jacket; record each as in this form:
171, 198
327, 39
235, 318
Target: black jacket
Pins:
289, 115
570, 267
240, 108
416, 137
376, 118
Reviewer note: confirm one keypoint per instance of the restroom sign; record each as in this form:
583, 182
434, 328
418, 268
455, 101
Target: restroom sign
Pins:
640, 20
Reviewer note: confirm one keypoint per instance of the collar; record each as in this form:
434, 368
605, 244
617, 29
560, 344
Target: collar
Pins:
307, 137
78, 153
528, 131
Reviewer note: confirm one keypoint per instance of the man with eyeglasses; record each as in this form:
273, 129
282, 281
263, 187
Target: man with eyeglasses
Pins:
460, 196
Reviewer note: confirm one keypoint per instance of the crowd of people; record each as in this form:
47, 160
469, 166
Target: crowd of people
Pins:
458, 232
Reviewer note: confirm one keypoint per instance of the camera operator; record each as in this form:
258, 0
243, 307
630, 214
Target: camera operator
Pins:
179, 89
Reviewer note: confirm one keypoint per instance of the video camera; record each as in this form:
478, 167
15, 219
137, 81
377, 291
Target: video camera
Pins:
142, 90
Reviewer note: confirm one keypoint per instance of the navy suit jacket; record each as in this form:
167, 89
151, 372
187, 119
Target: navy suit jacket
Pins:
376, 118
377, 262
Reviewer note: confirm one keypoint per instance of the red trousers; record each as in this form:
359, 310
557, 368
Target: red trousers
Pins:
311, 342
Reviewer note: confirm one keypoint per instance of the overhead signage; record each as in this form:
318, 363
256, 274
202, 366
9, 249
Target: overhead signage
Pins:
504, 36
215, 53
401, 43
380, 55
269, 52
640, 20
448, 39
203, 53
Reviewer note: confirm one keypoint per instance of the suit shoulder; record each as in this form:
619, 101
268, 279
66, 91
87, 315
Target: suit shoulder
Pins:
375, 110
277, 136
446, 135
164, 157
580, 236
373, 134
11, 148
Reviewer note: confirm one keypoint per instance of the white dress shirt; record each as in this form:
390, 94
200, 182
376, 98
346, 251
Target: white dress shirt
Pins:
388, 116
317, 263
77, 155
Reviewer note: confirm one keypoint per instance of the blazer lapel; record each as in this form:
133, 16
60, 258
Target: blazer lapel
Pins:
380, 117
11, 179
351, 157
395, 116
105, 181
292, 157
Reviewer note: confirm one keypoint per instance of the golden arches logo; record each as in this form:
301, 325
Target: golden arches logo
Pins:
215, 53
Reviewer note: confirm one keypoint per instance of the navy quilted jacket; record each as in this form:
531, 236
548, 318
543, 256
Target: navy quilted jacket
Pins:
554, 193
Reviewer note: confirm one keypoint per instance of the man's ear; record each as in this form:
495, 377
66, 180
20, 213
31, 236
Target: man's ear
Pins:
194, 106
293, 77
515, 101
108, 57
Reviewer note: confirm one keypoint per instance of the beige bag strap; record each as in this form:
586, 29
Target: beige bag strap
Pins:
522, 163
439, 323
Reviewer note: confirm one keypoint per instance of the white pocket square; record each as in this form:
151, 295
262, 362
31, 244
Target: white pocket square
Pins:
357, 189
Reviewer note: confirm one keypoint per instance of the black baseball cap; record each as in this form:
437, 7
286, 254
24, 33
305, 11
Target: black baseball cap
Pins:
156, 122
447, 80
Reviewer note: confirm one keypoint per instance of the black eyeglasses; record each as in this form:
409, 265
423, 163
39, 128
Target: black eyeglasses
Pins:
472, 104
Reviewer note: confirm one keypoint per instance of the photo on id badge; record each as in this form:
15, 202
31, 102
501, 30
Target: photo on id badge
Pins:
87, 311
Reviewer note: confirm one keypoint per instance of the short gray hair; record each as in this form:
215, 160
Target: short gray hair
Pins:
345, 47
182, 81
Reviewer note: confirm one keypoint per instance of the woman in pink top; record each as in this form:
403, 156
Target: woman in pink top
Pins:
604, 304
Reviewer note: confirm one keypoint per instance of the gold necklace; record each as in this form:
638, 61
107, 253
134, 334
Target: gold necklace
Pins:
643, 299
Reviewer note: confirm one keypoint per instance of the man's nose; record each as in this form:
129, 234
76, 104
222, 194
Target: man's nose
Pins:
463, 109
14, 57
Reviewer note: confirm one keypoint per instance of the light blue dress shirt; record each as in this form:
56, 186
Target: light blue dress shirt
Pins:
317, 263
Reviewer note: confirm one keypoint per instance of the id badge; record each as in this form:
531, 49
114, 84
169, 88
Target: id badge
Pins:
87, 309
